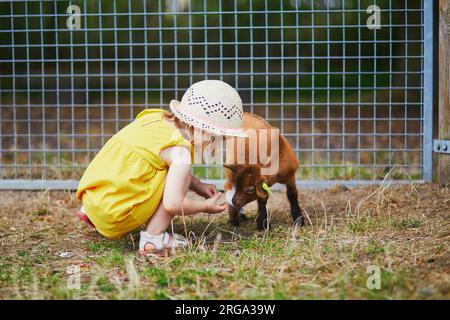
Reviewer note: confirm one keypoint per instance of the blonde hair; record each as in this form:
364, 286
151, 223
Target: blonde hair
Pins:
170, 116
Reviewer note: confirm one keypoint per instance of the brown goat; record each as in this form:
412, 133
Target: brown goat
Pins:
244, 182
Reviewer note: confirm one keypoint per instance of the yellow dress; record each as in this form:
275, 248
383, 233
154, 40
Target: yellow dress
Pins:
124, 183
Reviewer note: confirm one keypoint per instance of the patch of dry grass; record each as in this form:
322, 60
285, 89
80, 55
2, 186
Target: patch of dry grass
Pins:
404, 230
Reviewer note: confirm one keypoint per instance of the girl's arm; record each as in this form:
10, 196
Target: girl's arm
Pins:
178, 179
206, 190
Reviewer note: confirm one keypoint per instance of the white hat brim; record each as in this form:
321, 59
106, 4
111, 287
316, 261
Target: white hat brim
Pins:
192, 120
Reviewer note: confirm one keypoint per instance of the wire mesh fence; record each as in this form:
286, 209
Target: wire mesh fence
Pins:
347, 82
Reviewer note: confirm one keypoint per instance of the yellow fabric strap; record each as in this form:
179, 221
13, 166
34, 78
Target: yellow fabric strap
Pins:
267, 188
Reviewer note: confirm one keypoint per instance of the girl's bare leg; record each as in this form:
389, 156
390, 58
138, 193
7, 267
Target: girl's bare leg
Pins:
161, 219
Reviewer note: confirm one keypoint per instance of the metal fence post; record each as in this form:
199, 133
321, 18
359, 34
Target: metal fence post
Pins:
444, 89
428, 92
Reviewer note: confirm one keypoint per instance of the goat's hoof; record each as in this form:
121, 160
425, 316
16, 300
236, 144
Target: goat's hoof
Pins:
242, 217
299, 222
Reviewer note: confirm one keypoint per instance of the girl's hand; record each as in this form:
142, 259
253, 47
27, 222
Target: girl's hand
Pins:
207, 190
212, 207
178, 179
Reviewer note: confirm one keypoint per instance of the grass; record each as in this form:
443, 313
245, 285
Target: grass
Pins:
404, 230
406, 223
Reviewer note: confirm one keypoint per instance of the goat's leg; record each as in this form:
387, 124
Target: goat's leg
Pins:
262, 222
233, 214
296, 211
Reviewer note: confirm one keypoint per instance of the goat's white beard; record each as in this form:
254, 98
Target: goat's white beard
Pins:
229, 195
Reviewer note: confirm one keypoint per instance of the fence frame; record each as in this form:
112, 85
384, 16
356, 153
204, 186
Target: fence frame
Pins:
427, 148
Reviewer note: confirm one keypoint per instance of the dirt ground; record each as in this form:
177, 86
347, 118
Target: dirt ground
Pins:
403, 231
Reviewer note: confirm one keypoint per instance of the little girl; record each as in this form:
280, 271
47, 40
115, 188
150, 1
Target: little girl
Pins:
143, 172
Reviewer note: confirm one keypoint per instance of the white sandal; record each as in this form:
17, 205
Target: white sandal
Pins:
160, 242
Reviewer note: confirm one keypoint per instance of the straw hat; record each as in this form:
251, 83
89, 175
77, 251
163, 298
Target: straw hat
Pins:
213, 106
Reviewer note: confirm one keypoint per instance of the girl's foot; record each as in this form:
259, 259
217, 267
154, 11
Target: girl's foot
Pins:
81, 214
150, 243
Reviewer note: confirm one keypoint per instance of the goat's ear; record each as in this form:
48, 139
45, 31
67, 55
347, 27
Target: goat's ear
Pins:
232, 167
260, 190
